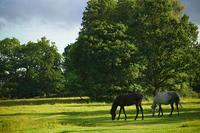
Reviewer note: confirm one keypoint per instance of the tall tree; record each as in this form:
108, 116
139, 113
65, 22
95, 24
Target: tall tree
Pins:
164, 37
131, 43
102, 56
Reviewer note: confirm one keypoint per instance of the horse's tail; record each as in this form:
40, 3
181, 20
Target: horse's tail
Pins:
178, 100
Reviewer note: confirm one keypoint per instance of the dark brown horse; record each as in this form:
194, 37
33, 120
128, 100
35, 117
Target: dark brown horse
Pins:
127, 100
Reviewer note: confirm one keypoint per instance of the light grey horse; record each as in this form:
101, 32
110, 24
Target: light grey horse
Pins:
168, 97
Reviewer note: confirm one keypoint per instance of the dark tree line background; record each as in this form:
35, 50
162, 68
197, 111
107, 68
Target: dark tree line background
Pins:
124, 45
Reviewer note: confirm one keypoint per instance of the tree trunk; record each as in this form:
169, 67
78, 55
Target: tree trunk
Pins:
156, 89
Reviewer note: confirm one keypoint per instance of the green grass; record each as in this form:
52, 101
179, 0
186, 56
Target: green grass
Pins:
69, 115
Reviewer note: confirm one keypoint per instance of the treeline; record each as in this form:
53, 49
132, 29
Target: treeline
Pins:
124, 45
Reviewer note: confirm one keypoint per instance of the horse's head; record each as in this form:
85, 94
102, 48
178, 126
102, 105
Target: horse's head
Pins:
113, 114
153, 107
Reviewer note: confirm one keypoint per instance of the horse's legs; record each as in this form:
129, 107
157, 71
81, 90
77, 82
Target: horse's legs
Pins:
172, 109
142, 111
124, 113
159, 110
137, 111
119, 113
177, 108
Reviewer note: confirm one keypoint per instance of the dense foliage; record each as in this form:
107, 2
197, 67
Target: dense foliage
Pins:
132, 45
164, 38
30, 70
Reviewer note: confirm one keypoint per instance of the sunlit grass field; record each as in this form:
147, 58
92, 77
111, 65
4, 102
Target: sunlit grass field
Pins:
63, 115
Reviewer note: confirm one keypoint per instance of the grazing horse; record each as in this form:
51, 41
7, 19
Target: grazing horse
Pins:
168, 97
127, 100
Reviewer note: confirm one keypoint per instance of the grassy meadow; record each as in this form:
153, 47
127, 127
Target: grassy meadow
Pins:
63, 115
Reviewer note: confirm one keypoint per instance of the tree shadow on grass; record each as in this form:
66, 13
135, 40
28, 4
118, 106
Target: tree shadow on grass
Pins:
130, 112
102, 118
52, 101
41, 101
187, 114
96, 118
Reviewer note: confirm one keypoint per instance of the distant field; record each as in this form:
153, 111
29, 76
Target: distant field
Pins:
65, 115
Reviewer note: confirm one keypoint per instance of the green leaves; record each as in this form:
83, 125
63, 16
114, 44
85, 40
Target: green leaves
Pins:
30, 70
131, 45
164, 38
102, 57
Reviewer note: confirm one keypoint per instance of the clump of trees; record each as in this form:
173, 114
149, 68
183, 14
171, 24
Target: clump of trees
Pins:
123, 46
32, 69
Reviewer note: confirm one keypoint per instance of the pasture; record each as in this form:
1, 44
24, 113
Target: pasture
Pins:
63, 115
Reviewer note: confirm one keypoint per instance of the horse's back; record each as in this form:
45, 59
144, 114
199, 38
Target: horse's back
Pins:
174, 96
129, 99
167, 97
162, 98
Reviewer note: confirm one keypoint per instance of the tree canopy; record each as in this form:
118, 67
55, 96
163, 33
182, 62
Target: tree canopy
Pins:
164, 37
131, 45
30, 70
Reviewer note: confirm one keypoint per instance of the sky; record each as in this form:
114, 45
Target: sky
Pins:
58, 20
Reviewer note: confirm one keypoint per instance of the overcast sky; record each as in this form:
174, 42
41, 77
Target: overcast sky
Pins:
58, 20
